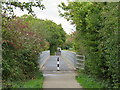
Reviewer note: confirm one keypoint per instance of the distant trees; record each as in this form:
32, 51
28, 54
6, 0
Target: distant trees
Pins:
69, 43
96, 38
55, 35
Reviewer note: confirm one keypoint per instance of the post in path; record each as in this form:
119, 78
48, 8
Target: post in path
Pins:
58, 64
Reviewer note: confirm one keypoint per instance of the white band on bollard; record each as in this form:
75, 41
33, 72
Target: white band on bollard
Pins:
58, 68
57, 62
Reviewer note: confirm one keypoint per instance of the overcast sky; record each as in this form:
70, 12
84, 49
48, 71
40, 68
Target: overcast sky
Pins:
51, 13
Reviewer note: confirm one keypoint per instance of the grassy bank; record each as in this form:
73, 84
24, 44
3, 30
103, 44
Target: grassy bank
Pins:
89, 82
37, 82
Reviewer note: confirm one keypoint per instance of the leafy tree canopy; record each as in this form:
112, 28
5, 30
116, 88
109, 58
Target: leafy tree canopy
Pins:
7, 7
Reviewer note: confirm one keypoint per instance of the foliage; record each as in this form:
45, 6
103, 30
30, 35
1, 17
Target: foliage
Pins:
69, 43
55, 35
20, 50
96, 38
37, 82
23, 39
89, 82
7, 7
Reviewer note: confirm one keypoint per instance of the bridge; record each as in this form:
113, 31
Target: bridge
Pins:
65, 77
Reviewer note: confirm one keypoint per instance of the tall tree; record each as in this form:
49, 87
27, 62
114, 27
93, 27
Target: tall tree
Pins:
97, 28
55, 35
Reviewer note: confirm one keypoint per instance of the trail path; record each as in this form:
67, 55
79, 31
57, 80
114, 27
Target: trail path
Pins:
65, 78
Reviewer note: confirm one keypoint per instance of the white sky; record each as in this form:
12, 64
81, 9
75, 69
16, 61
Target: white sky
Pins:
51, 13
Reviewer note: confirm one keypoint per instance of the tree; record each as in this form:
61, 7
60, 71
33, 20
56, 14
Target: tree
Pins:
7, 7
69, 43
97, 35
55, 35
23, 39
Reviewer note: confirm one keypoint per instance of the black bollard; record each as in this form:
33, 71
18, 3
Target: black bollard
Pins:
58, 66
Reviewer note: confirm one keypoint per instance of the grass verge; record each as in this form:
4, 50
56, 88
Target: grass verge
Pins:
37, 83
34, 83
89, 82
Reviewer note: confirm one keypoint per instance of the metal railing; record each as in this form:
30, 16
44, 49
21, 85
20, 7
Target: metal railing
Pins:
42, 57
80, 60
71, 56
76, 60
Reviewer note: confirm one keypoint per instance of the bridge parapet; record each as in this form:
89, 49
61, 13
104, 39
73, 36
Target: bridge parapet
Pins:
43, 57
76, 60
80, 60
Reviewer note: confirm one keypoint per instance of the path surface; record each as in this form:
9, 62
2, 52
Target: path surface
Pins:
65, 78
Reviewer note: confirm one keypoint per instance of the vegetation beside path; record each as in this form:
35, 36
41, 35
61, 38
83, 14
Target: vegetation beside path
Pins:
87, 81
37, 82
23, 38
96, 37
